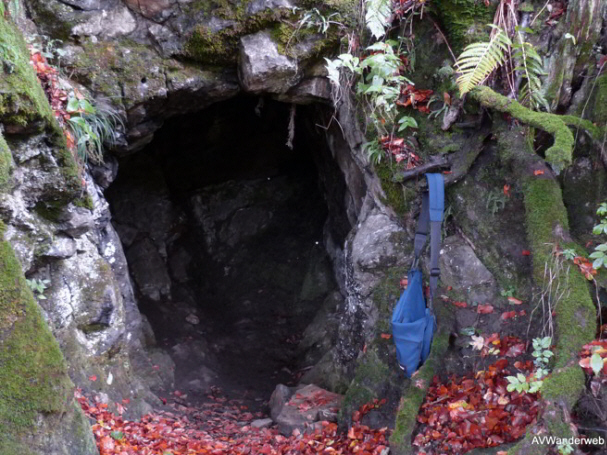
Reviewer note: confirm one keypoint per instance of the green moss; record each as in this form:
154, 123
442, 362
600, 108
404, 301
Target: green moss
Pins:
465, 21
22, 100
33, 377
413, 397
565, 384
559, 154
398, 196
600, 105
85, 202
371, 373
545, 213
6, 161
206, 46
385, 296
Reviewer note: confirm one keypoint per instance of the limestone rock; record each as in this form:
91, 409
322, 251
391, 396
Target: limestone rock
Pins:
462, 269
257, 6
262, 68
261, 423
107, 24
301, 407
63, 247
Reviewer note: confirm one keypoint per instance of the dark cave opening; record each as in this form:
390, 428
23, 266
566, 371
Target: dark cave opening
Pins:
225, 231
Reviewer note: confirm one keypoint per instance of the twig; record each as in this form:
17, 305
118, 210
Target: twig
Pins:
445, 40
437, 163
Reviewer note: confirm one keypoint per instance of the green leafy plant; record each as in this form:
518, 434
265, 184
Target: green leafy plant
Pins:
377, 16
530, 65
479, 60
541, 352
534, 382
600, 251
508, 292
565, 448
523, 384
92, 126
315, 19
569, 254
38, 287
496, 201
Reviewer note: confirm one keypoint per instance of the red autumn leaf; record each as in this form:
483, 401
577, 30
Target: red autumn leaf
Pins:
514, 301
507, 190
526, 253
538, 172
508, 315
460, 304
447, 98
484, 309
386, 336
92, 378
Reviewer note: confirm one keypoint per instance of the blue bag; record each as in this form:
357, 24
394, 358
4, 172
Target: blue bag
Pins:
413, 321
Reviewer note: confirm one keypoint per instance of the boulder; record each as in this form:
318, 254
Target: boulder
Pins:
463, 270
301, 408
262, 68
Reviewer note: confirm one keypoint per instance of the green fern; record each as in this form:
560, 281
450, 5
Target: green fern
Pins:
531, 66
378, 16
479, 60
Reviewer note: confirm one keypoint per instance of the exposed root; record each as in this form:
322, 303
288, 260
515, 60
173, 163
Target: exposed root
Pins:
560, 154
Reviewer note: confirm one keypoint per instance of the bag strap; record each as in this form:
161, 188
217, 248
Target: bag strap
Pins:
430, 222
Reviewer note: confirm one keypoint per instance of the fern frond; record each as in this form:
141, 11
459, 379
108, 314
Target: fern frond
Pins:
531, 66
479, 60
378, 16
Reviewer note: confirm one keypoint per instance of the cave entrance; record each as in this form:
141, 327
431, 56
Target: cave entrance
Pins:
224, 229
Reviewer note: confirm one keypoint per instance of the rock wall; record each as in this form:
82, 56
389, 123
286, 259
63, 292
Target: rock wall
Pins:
60, 227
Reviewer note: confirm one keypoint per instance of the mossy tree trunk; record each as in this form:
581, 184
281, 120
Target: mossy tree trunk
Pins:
575, 316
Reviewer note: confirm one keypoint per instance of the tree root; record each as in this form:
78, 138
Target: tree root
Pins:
547, 225
560, 154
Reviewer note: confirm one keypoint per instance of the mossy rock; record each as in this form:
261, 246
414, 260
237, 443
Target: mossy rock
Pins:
33, 376
23, 103
6, 162
466, 21
414, 395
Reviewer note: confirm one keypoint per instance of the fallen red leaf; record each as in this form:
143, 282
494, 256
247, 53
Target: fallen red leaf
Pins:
460, 304
386, 336
538, 172
526, 253
484, 309
514, 301
508, 315
92, 378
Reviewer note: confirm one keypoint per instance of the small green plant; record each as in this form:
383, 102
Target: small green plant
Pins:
534, 382
542, 354
496, 201
508, 292
523, 384
569, 254
565, 448
600, 251
92, 126
315, 19
38, 287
